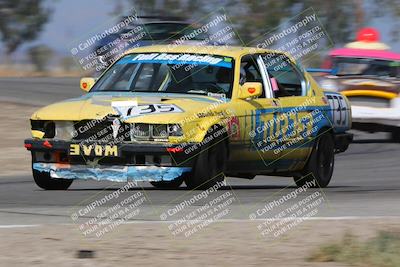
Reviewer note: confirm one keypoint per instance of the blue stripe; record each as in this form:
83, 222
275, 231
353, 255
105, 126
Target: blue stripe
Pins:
222, 64
140, 94
319, 70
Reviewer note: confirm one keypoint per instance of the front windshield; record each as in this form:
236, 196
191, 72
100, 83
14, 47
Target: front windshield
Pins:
170, 73
366, 66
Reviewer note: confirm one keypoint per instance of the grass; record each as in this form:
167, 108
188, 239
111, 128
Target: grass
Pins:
380, 251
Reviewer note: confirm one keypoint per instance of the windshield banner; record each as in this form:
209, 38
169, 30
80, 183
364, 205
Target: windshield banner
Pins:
178, 59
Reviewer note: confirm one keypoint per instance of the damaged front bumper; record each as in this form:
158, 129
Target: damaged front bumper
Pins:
125, 162
111, 173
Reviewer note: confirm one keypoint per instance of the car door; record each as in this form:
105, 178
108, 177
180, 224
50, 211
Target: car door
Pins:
296, 113
253, 148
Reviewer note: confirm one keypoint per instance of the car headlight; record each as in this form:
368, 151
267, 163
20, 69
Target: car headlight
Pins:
329, 84
175, 130
64, 130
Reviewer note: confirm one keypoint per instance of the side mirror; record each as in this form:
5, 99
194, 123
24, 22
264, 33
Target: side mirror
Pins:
87, 83
250, 90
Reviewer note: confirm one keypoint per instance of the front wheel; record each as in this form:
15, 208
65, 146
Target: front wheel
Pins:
319, 168
209, 166
396, 135
43, 180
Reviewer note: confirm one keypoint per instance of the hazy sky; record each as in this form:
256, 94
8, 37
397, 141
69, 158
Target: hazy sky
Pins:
72, 20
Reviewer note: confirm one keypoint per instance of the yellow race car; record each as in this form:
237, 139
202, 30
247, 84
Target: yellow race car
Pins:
170, 114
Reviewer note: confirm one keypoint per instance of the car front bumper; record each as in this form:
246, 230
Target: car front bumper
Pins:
114, 173
135, 161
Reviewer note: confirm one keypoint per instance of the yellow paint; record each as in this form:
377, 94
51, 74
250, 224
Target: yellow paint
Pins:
87, 83
90, 150
37, 134
87, 150
372, 93
111, 151
74, 150
198, 114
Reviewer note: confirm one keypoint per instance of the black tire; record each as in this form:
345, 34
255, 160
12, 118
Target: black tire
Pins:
209, 165
320, 164
396, 135
174, 184
43, 180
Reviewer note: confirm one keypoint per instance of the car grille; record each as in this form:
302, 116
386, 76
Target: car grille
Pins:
101, 130
159, 131
143, 131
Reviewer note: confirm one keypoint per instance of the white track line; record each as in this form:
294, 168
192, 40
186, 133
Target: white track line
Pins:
280, 219
221, 221
19, 226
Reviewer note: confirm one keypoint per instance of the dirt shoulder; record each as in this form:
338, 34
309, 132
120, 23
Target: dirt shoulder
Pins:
15, 127
151, 244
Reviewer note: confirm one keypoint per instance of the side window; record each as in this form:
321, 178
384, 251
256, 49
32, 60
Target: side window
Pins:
285, 78
250, 72
220, 77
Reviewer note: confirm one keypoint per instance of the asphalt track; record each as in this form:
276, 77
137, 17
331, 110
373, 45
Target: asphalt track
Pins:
366, 180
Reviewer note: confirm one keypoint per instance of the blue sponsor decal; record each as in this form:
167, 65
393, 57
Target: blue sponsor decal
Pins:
177, 59
287, 124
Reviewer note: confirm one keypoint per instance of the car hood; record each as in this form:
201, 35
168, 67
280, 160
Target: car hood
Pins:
98, 105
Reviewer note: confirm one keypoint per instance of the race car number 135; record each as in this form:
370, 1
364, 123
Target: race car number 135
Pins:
134, 111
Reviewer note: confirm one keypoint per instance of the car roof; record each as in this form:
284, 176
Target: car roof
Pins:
365, 53
230, 51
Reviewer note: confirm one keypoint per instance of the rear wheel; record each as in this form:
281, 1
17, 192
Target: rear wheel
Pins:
174, 184
320, 164
209, 165
43, 180
396, 135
